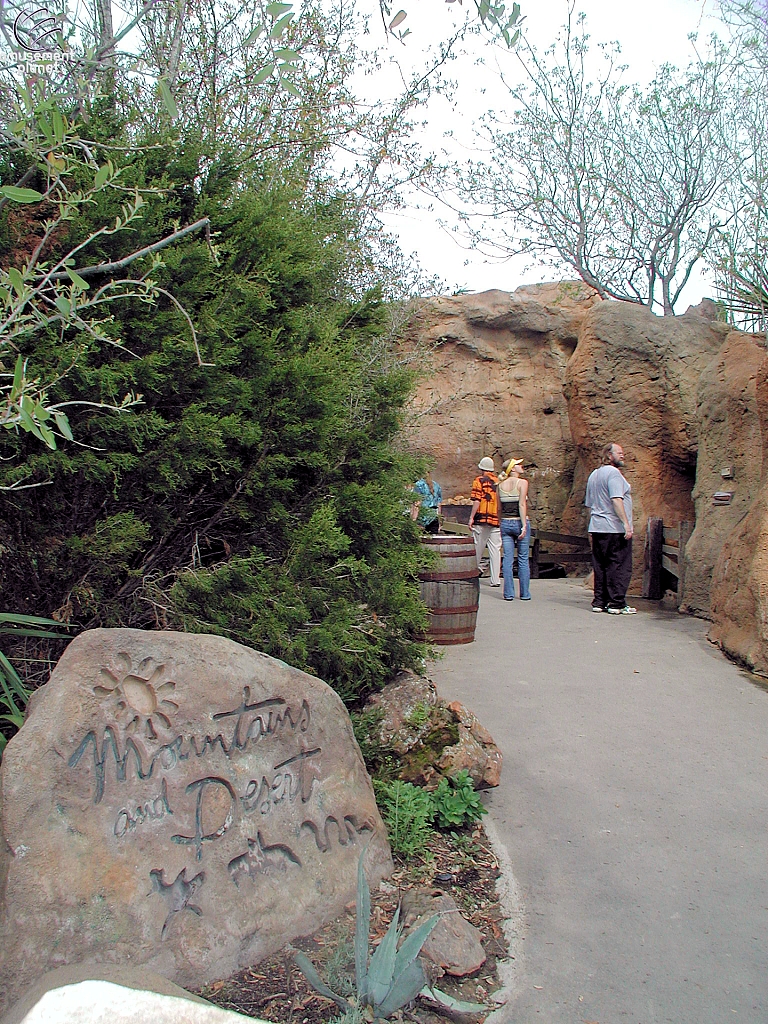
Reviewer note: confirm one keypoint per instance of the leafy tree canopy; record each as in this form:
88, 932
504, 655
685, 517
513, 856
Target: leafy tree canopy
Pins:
626, 186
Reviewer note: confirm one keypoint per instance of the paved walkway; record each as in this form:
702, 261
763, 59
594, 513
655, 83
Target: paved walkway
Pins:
633, 807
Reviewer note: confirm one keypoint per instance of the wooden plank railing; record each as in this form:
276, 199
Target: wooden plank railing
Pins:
541, 552
664, 558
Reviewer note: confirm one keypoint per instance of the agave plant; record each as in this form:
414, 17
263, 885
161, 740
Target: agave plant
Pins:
13, 693
393, 976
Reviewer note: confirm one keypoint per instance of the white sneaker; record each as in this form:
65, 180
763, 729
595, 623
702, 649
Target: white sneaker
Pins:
626, 610
597, 608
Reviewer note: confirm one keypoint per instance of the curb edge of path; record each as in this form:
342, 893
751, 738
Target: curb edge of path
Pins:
512, 924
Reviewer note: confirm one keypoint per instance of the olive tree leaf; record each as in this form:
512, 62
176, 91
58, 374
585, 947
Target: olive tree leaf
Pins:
167, 97
20, 195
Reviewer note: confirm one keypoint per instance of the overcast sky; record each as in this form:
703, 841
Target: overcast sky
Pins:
650, 34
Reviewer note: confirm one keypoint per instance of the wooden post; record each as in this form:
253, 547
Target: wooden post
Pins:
533, 559
686, 529
654, 541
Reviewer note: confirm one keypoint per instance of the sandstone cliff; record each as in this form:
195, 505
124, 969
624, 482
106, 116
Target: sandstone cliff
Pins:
550, 374
739, 579
632, 379
495, 387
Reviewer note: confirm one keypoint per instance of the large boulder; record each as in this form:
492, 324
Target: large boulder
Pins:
177, 801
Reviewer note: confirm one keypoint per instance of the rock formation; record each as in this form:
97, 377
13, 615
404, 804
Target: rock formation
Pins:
177, 801
730, 439
432, 738
495, 386
633, 379
739, 587
551, 374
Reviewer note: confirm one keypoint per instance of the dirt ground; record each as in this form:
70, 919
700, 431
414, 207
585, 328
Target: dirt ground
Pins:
461, 864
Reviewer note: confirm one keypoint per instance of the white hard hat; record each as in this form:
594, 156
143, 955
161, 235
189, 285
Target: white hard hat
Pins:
486, 463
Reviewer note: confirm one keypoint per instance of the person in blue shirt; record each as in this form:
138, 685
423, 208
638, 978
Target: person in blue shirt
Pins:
426, 507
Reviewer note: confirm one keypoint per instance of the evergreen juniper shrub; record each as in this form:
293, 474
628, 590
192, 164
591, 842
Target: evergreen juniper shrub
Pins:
259, 497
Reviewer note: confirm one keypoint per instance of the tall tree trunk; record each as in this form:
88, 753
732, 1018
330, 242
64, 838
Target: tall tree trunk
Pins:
106, 44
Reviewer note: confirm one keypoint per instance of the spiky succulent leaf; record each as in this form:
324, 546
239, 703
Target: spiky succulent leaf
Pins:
405, 988
459, 1005
307, 968
362, 924
382, 968
412, 944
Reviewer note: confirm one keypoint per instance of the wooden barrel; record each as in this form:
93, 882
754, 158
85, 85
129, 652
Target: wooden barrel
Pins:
451, 590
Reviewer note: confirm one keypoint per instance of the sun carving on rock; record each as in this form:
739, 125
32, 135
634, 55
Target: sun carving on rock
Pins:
143, 696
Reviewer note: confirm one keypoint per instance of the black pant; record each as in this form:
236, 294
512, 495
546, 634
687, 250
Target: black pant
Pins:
612, 562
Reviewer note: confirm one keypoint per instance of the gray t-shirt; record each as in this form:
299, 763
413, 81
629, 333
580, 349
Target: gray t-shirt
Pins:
605, 483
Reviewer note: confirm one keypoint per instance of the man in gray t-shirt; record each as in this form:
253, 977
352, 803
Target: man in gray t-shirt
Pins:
609, 500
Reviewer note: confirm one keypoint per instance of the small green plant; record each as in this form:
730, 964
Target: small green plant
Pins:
13, 698
420, 715
408, 812
13, 693
392, 977
456, 803
337, 964
352, 1015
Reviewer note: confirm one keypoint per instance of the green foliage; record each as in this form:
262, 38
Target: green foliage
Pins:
408, 812
341, 955
257, 496
352, 1015
456, 803
499, 18
58, 244
393, 976
13, 693
13, 700
420, 715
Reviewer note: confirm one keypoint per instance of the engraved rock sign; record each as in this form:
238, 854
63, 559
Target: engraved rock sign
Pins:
181, 801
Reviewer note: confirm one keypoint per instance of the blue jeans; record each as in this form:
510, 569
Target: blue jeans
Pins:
510, 536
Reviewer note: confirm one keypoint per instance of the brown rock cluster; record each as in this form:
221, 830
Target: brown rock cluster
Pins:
432, 738
550, 374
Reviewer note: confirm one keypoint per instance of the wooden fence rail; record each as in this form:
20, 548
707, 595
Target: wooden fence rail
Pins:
664, 558
541, 552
